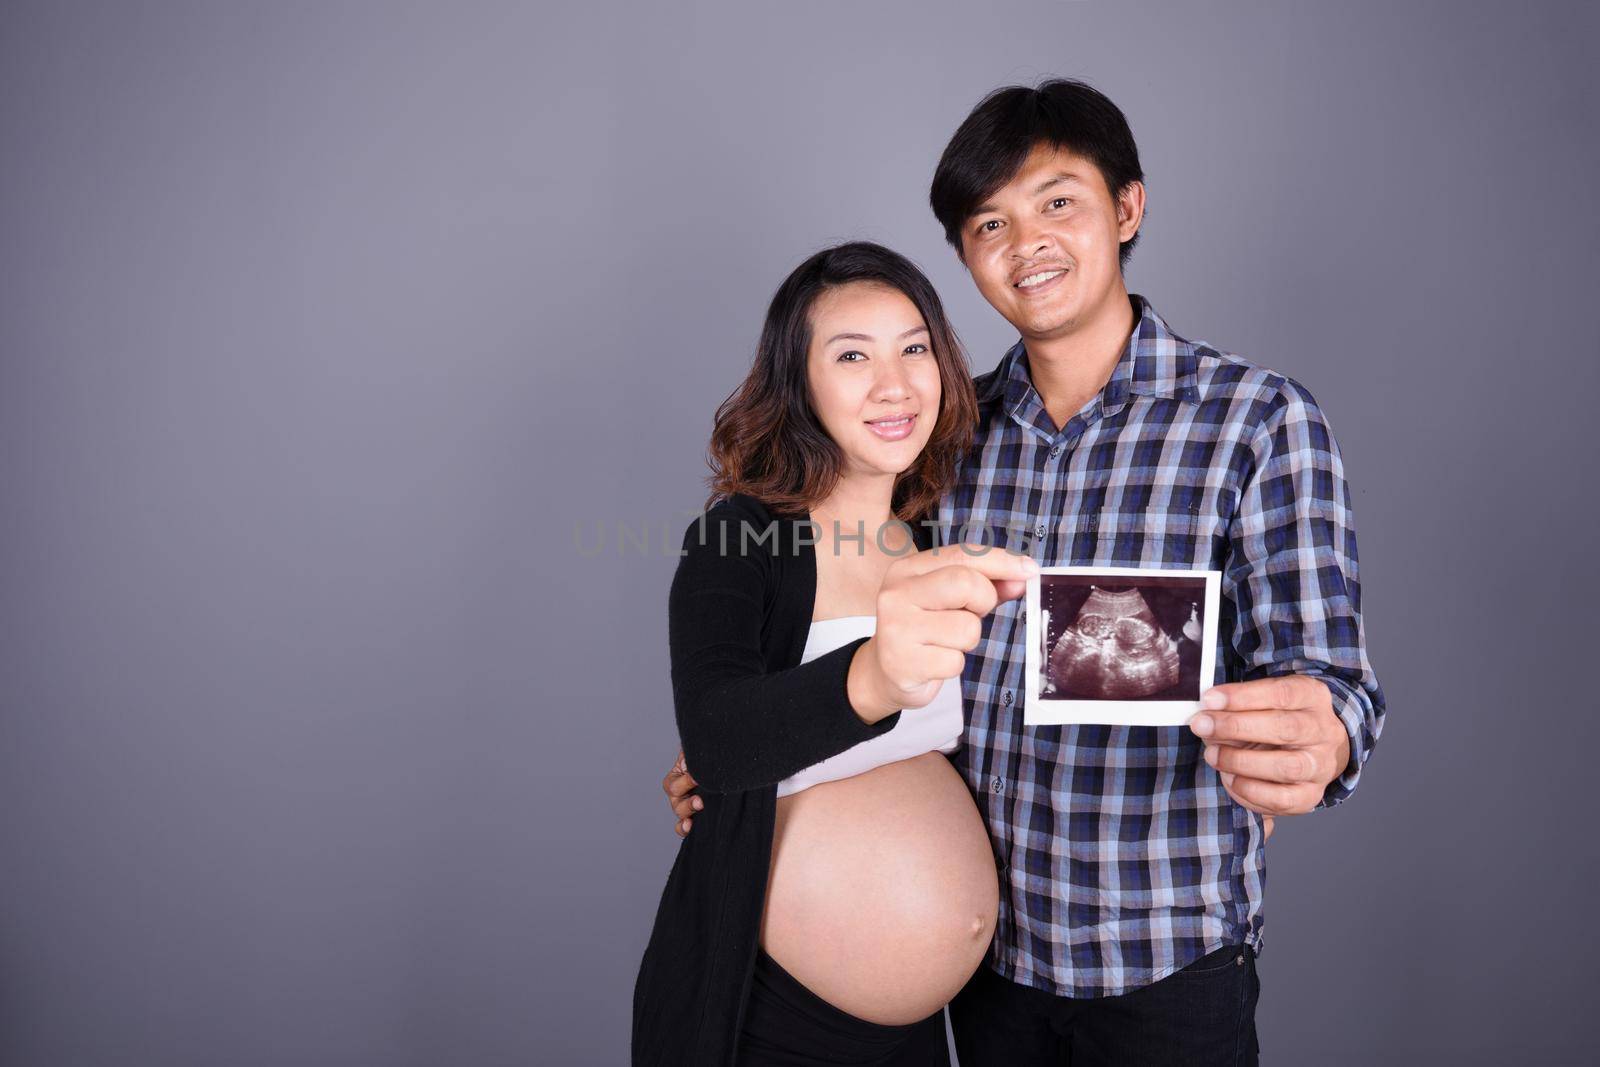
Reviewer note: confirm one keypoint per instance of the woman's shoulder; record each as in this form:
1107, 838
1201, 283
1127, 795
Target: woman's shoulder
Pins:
743, 525
734, 510
779, 529
743, 505
757, 513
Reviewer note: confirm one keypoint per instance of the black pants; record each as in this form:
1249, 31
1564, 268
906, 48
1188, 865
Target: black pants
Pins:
1200, 1016
787, 1025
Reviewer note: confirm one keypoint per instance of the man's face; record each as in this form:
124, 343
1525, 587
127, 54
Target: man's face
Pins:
1043, 248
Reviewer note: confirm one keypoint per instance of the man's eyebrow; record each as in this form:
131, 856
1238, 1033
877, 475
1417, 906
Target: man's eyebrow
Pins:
865, 337
1059, 179
1064, 177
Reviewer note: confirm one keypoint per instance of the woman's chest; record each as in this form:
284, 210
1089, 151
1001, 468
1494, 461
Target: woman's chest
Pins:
847, 585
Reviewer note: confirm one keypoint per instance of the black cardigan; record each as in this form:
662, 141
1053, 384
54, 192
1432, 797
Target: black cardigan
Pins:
749, 715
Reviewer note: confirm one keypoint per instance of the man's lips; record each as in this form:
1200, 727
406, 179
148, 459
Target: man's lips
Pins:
1037, 279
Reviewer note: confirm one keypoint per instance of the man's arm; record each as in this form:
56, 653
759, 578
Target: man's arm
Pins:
1283, 746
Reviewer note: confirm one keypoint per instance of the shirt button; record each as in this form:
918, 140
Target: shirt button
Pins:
996, 786
1055, 450
1005, 698
1039, 529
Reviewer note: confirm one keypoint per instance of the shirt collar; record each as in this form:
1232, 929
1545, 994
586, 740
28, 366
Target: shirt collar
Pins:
1156, 362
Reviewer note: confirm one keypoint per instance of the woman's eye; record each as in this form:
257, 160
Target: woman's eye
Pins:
852, 352
917, 348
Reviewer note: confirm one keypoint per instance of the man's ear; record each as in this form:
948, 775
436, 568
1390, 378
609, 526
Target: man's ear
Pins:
1130, 211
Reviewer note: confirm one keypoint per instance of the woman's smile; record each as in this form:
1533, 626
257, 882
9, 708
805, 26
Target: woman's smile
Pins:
894, 427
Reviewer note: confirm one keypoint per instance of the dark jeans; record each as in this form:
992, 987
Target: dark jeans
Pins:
1202, 1015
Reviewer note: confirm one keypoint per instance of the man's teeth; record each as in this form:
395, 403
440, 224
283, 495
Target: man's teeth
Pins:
1034, 279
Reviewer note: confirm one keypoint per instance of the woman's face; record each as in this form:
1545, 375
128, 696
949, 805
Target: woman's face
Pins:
873, 375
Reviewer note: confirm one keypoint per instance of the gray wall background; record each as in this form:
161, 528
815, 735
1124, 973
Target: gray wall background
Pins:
327, 329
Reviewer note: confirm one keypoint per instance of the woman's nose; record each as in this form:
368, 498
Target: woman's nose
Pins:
892, 382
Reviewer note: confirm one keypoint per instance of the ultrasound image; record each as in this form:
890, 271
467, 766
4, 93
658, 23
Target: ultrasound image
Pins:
1128, 641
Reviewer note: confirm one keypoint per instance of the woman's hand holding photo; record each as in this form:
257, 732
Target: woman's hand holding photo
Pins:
930, 615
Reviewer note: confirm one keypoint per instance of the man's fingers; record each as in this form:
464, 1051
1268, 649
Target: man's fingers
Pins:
1266, 826
1271, 726
678, 780
1271, 798
682, 829
1282, 691
1291, 766
685, 807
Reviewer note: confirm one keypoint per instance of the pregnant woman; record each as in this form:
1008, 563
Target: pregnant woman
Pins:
839, 886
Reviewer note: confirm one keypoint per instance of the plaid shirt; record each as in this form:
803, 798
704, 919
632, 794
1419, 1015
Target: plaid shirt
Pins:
1121, 856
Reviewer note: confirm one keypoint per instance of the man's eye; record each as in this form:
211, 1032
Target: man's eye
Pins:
983, 227
1059, 200
919, 347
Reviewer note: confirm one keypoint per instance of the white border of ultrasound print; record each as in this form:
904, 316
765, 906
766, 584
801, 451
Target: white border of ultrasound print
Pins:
1038, 712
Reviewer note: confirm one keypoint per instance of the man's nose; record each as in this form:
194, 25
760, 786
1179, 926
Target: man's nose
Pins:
1029, 240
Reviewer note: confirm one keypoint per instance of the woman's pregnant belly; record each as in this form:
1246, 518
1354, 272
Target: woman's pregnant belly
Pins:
882, 893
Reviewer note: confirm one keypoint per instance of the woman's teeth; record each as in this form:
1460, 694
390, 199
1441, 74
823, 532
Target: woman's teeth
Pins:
893, 430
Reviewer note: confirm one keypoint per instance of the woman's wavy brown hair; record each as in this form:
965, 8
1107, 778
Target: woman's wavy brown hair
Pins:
766, 440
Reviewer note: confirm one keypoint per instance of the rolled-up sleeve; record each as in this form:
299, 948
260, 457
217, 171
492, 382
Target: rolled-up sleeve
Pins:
1292, 574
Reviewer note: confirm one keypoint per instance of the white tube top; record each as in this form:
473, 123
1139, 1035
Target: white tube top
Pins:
939, 725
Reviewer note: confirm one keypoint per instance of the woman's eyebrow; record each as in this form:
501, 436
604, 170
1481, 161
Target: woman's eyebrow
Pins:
869, 337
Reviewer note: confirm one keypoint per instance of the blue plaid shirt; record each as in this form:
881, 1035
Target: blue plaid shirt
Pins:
1121, 856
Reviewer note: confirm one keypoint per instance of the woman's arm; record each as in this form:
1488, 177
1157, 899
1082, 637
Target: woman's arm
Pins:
742, 726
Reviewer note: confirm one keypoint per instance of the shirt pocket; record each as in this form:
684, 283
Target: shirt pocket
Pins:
1175, 538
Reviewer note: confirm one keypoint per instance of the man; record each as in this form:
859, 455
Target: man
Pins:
1131, 859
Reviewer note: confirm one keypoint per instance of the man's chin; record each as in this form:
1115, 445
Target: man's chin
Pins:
1047, 327
1042, 322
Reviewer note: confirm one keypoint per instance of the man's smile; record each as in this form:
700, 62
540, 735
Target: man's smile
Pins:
1038, 280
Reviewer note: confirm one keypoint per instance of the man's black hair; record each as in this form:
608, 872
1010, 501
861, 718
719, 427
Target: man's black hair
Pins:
990, 146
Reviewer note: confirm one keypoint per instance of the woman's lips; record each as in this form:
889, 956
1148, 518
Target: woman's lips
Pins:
893, 430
